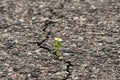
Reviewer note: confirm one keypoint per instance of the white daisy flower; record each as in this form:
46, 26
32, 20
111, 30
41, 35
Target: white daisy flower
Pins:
58, 39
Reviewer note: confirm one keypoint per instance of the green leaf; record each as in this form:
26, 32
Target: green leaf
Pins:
57, 52
57, 44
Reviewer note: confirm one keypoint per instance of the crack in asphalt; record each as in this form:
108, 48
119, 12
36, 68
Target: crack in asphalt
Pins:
40, 44
47, 22
68, 69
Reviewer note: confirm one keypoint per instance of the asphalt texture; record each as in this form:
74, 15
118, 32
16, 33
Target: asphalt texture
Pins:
90, 30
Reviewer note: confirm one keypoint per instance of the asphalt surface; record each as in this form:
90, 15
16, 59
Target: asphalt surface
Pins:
90, 30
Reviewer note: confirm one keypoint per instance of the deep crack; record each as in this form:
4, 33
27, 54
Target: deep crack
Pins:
40, 44
68, 69
47, 22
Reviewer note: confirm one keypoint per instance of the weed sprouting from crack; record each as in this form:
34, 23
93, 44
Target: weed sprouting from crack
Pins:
40, 44
57, 45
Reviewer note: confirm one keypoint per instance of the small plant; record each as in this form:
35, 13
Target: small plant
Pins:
57, 45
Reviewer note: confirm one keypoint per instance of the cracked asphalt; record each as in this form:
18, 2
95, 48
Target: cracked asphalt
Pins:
90, 30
